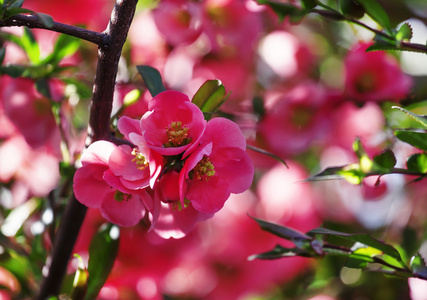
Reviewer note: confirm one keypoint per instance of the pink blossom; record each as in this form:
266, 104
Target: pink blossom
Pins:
173, 125
218, 167
179, 20
374, 76
32, 172
30, 112
95, 13
296, 118
174, 220
114, 179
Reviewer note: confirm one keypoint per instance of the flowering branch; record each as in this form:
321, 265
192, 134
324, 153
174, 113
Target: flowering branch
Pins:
31, 21
108, 58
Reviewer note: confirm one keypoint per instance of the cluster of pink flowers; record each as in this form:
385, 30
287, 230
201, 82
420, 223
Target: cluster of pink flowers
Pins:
179, 169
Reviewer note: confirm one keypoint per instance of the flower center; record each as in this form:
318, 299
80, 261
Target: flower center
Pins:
366, 83
177, 205
139, 159
204, 170
177, 135
119, 196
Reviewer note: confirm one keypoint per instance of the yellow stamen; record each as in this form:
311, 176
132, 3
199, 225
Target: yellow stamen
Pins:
204, 170
139, 160
177, 135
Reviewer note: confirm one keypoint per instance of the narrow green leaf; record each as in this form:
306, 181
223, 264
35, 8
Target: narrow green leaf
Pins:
12, 70
418, 266
30, 46
152, 79
284, 10
386, 159
16, 3
102, 253
352, 8
417, 163
376, 12
262, 151
282, 231
309, 4
414, 138
331, 173
210, 96
46, 19
280, 252
17, 10
419, 118
65, 46
367, 240
42, 85
404, 33
2, 55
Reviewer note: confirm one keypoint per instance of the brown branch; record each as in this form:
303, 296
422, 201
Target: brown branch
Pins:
31, 21
99, 128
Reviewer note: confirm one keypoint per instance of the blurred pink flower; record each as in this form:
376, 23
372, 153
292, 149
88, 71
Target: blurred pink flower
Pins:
173, 125
30, 112
218, 167
179, 20
114, 179
296, 119
32, 172
95, 14
374, 76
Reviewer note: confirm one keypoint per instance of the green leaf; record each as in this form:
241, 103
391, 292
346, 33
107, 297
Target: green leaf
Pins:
65, 46
13, 70
262, 151
376, 12
210, 96
418, 266
331, 173
152, 79
419, 118
367, 240
404, 33
309, 4
280, 252
414, 138
2, 55
283, 10
352, 8
29, 44
282, 231
16, 3
102, 253
42, 85
417, 163
17, 10
352, 174
386, 159
46, 19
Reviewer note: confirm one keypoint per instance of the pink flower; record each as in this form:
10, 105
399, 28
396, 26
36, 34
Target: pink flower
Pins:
296, 118
218, 167
30, 112
179, 20
374, 76
114, 179
173, 125
95, 12
174, 220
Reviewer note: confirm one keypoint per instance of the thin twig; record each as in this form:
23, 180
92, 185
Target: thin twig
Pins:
31, 21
